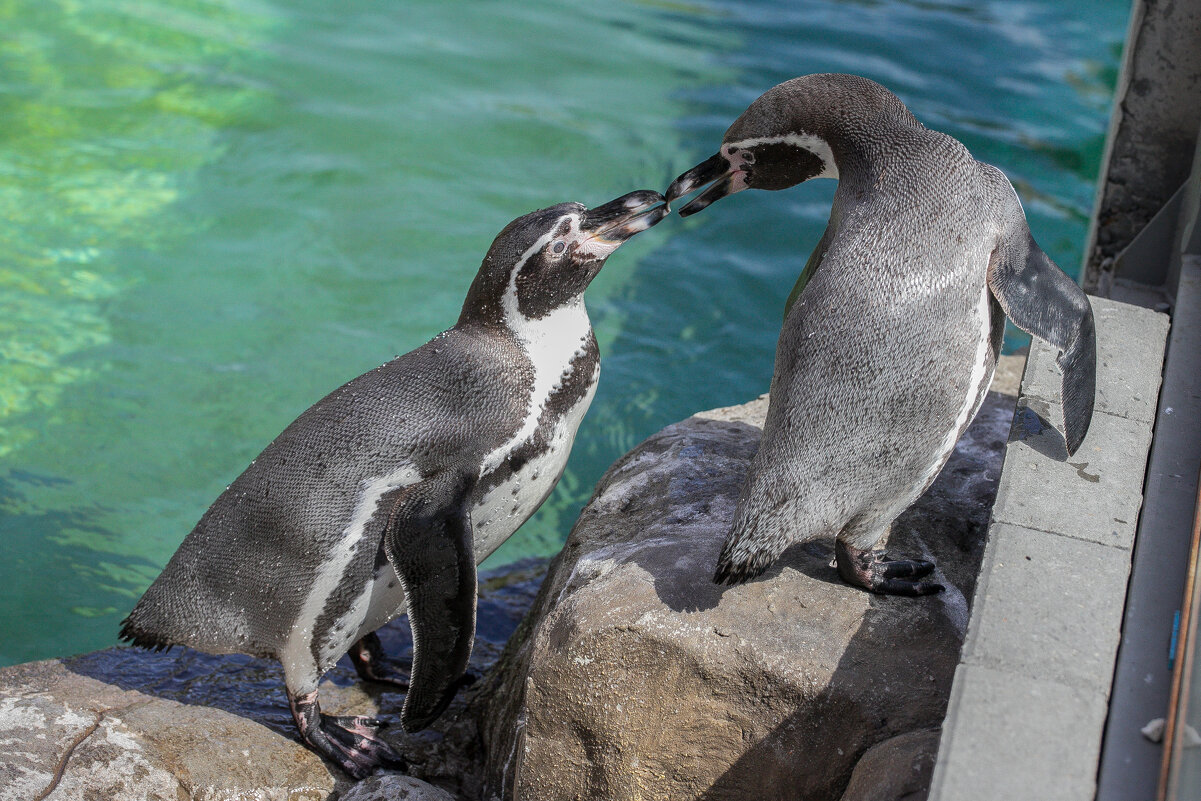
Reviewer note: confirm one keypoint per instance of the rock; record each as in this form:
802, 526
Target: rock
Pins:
87, 739
124, 723
895, 770
395, 787
636, 677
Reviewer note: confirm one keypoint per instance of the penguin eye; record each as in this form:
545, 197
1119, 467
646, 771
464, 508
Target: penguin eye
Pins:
559, 247
748, 157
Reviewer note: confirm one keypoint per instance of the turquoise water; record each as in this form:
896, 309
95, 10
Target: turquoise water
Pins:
212, 213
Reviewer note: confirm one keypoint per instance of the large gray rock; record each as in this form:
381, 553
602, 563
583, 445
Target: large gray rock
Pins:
635, 676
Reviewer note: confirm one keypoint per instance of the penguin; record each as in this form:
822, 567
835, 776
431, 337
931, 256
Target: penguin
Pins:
384, 495
893, 330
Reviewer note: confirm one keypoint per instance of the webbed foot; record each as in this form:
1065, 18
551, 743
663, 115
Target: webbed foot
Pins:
872, 571
351, 743
367, 656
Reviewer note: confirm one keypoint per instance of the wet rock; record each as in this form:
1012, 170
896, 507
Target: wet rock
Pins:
636, 677
123, 723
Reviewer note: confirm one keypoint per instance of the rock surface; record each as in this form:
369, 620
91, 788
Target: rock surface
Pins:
129, 724
899, 769
636, 677
395, 787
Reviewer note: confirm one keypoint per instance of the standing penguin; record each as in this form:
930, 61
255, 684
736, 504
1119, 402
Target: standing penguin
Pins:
893, 330
385, 495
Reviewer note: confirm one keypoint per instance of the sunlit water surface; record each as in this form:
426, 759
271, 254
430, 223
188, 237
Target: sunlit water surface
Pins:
213, 212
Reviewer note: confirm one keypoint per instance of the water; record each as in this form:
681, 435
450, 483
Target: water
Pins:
214, 211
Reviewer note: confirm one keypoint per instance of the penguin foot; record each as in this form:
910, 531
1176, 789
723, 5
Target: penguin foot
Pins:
367, 656
351, 743
870, 570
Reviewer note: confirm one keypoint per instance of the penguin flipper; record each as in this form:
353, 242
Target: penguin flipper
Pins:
1043, 301
429, 543
811, 267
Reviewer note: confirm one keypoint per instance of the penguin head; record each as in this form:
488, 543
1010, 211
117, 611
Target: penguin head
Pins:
789, 135
546, 259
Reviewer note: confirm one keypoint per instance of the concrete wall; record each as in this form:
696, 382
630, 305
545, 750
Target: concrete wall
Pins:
1153, 130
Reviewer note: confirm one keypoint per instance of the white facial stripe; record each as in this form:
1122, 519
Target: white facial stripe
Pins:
540, 243
814, 144
551, 342
299, 665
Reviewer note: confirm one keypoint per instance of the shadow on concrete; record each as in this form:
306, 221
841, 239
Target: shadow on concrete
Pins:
1031, 426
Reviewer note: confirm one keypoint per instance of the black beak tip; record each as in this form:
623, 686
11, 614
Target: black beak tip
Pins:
711, 170
676, 190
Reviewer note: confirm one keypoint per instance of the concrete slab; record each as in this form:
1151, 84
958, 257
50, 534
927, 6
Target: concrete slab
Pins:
1040, 616
1031, 691
1095, 495
1130, 345
1001, 721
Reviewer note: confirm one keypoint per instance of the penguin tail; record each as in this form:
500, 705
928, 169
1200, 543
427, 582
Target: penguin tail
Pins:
734, 574
135, 635
736, 566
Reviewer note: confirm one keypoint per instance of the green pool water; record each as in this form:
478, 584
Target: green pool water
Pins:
212, 213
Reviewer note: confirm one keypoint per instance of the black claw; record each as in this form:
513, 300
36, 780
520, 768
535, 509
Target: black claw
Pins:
906, 568
911, 589
351, 743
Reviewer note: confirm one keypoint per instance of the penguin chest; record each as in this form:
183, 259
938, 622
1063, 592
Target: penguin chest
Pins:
516, 477
515, 488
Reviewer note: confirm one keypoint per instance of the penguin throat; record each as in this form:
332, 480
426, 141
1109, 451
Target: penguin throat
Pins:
552, 342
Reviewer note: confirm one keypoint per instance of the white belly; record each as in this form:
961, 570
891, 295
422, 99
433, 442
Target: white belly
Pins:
552, 344
494, 517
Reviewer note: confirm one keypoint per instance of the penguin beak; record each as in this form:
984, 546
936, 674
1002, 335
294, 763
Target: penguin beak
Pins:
618, 220
716, 171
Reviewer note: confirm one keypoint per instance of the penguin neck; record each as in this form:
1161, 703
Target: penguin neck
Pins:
856, 159
484, 304
861, 144
552, 339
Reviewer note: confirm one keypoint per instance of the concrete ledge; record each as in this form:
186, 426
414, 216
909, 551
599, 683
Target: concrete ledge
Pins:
1031, 690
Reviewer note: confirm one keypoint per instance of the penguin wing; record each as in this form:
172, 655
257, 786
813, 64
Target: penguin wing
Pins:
428, 540
811, 267
1043, 301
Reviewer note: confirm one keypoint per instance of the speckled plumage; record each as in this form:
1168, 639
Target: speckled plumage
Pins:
886, 354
